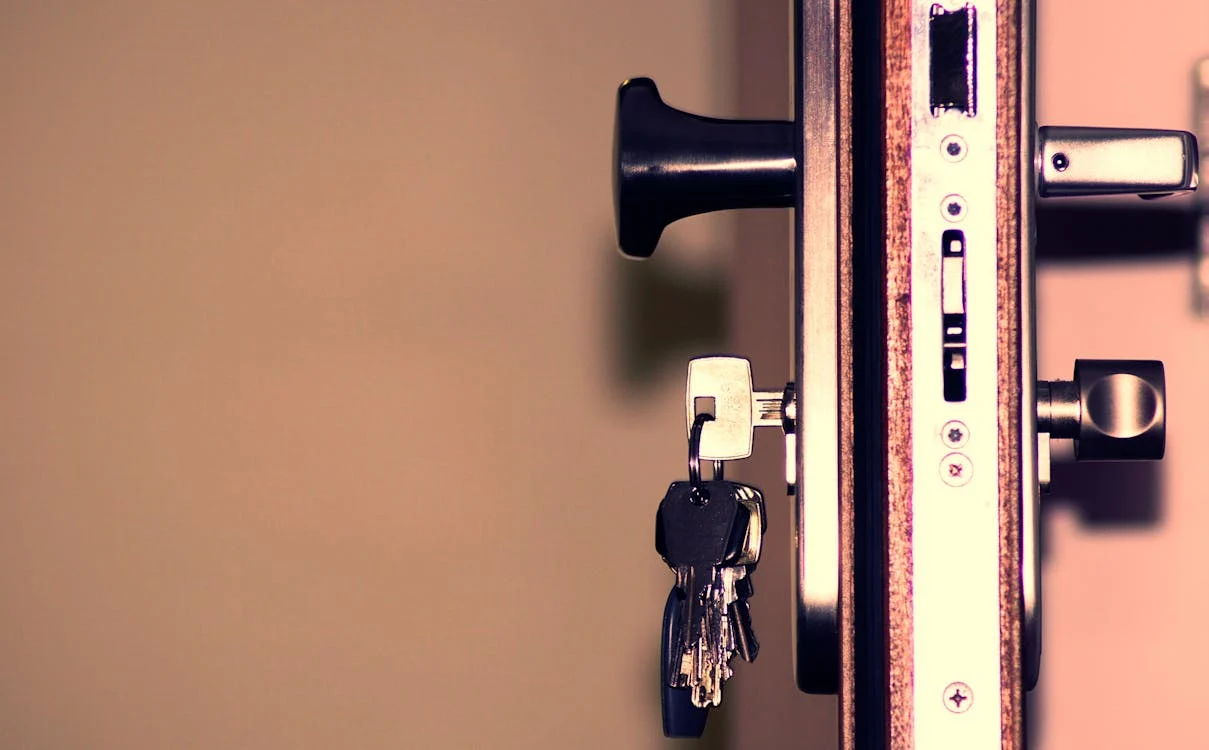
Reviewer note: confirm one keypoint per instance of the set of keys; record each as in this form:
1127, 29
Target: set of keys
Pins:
710, 534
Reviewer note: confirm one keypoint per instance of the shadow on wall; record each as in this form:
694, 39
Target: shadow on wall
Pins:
1109, 494
1105, 495
1112, 494
661, 315
1081, 232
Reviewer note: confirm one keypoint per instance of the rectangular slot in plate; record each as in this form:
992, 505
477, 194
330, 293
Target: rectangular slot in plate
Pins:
952, 42
953, 312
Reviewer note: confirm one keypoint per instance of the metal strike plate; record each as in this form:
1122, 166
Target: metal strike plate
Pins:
1115, 161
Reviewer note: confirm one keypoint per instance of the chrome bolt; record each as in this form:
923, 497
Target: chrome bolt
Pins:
954, 433
956, 469
958, 697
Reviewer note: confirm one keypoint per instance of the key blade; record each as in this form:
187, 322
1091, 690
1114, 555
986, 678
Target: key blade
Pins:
745, 636
717, 644
768, 408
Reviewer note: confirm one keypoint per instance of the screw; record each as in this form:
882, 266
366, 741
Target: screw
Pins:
1060, 162
954, 433
953, 208
953, 148
956, 469
958, 697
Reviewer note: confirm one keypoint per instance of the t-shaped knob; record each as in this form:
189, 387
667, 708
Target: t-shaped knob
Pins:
670, 164
1114, 409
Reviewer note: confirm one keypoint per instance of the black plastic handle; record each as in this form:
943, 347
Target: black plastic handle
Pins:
670, 164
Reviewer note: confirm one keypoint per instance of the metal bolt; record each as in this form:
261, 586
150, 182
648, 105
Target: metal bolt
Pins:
954, 433
958, 697
953, 208
953, 148
956, 469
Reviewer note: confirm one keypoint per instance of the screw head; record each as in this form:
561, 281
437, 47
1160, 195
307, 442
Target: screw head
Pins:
956, 469
953, 208
953, 148
954, 433
958, 697
1060, 162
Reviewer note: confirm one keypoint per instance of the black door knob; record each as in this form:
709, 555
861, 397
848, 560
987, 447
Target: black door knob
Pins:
1114, 409
670, 164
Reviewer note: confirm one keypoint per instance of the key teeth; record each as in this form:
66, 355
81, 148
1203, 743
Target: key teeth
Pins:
745, 637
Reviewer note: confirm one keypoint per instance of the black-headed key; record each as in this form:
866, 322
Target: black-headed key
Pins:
705, 534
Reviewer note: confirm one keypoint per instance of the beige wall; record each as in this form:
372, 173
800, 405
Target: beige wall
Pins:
313, 430
331, 419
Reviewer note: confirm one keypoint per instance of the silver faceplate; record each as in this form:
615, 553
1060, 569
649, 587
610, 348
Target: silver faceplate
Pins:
955, 503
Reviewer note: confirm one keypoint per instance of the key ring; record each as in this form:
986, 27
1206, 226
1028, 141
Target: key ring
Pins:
694, 459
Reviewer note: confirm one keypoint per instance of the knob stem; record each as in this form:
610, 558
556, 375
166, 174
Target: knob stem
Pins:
1058, 408
670, 164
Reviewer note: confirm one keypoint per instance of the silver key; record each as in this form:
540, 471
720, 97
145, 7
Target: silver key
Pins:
707, 666
740, 615
722, 386
753, 500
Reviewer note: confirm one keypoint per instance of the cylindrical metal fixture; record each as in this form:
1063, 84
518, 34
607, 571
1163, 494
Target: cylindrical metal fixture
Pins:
1058, 408
1124, 409
1114, 409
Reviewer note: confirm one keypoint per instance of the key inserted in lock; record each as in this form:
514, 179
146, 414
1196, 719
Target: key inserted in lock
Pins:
722, 386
